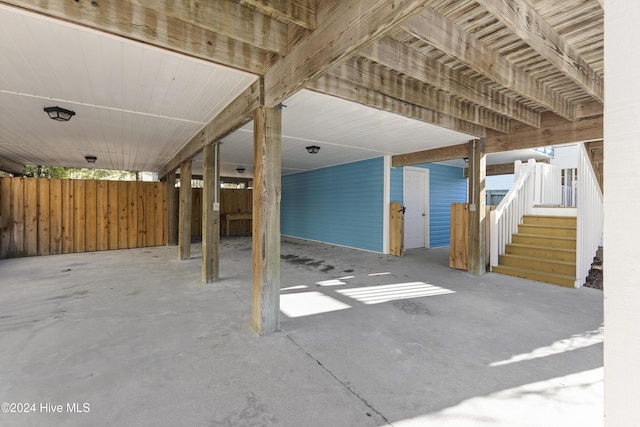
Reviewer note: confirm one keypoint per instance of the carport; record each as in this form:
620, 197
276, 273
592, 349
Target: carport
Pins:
155, 85
365, 339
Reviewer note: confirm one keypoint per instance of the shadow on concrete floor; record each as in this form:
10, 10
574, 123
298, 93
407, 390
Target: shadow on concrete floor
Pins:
366, 339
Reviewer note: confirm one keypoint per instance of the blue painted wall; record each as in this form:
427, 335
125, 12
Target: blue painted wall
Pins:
341, 204
446, 186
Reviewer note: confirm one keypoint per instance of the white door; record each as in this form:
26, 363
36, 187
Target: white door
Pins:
416, 200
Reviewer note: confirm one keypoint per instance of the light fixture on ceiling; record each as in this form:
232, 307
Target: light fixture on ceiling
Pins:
313, 149
59, 114
466, 159
240, 169
91, 159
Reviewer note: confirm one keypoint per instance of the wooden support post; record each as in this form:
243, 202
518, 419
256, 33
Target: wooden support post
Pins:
184, 217
211, 214
267, 137
477, 208
172, 221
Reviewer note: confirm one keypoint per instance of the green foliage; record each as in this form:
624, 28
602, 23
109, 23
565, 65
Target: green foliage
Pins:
77, 173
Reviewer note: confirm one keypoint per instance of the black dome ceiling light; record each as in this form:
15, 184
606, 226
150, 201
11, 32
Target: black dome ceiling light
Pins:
59, 114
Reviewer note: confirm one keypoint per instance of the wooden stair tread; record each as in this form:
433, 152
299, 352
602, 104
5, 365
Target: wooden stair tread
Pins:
546, 260
557, 227
525, 246
546, 237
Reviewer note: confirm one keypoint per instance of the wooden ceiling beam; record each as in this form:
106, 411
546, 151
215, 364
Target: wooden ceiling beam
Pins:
235, 115
409, 61
344, 27
11, 166
448, 37
554, 131
380, 79
451, 152
228, 19
525, 22
298, 12
336, 86
500, 169
130, 20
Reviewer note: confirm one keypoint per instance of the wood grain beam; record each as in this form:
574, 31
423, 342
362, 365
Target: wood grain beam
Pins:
298, 12
267, 155
500, 169
589, 109
131, 20
340, 88
445, 35
234, 116
375, 77
415, 64
11, 166
184, 214
441, 154
211, 213
344, 27
477, 211
525, 22
228, 19
554, 131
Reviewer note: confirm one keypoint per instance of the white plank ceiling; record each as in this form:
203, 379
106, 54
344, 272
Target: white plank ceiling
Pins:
136, 106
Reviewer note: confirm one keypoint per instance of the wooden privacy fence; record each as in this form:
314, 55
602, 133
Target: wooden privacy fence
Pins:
232, 201
56, 216
459, 232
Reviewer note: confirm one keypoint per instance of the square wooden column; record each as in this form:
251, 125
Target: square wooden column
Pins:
477, 208
267, 138
172, 220
184, 216
211, 214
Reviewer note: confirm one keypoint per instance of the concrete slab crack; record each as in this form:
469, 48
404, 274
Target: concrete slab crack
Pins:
346, 386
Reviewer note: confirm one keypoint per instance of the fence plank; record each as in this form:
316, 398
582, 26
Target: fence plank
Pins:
79, 223
113, 215
150, 214
102, 216
5, 214
132, 213
158, 220
142, 232
55, 216
44, 217
91, 214
123, 215
30, 216
67, 216
17, 216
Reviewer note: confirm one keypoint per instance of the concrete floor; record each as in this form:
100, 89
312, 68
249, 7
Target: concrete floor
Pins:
133, 338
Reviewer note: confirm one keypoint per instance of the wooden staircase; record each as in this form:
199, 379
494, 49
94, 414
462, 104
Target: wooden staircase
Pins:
543, 249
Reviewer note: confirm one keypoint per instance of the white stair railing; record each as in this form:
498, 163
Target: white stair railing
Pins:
507, 216
548, 186
590, 216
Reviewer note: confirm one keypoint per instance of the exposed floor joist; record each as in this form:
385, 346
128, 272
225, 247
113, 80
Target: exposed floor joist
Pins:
343, 28
333, 85
299, 12
408, 61
380, 79
521, 18
445, 35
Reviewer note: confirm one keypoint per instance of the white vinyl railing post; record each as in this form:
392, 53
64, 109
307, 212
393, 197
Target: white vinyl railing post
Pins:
516, 203
589, 201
